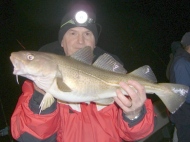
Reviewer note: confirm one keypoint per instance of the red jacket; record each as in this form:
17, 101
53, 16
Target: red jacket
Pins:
89, 125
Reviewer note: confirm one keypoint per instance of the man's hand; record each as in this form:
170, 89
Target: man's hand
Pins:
132, 104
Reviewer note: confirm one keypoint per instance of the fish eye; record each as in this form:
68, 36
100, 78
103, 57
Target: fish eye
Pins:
30, 57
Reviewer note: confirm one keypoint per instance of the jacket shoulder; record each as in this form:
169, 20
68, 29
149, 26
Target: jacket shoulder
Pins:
53, 47
28, 86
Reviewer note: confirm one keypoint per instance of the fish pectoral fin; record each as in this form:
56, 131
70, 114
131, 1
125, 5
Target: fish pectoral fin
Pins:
62, 86
46, 102
106, 101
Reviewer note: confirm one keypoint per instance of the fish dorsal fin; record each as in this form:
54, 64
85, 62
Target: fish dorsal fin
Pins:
146, 73
84, 55
107, 62
62, 86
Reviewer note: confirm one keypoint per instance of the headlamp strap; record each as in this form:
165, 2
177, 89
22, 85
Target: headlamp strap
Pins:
70, 21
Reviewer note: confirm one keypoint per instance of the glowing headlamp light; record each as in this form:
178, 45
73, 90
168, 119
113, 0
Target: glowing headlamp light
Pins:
81, 19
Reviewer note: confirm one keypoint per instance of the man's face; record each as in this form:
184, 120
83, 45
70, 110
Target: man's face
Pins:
77, 38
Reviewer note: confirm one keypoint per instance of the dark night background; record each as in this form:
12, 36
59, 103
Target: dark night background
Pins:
139, 32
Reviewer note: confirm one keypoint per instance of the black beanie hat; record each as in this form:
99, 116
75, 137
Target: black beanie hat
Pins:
70, 15
185, 41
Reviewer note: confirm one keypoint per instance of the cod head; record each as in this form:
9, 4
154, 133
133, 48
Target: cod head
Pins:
36, 66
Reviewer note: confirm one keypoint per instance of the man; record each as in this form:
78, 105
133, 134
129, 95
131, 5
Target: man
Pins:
127, 119
180, 73
174, 46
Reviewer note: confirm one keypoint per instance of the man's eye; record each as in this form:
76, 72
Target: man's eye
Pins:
72, 33
87, 33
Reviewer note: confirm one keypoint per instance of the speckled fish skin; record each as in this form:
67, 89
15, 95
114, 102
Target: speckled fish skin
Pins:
69, 79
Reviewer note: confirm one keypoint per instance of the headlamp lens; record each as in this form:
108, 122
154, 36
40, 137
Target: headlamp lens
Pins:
81, 17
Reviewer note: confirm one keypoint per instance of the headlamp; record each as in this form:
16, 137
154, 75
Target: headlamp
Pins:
81, 19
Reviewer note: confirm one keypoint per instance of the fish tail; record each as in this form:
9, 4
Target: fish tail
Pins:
173, 96
46, 102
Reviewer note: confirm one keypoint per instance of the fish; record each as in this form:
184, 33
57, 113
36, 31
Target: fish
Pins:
76, 78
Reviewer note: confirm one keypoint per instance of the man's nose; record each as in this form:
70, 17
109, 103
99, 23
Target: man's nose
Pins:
80, 38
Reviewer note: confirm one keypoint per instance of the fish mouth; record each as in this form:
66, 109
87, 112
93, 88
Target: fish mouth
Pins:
20, 68
17, 65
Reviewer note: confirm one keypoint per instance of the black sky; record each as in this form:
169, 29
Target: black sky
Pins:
139, 32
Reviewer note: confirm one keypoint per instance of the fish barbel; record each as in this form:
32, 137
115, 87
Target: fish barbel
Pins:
76, 79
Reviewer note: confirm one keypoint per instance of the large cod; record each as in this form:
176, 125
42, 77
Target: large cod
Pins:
76, 79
